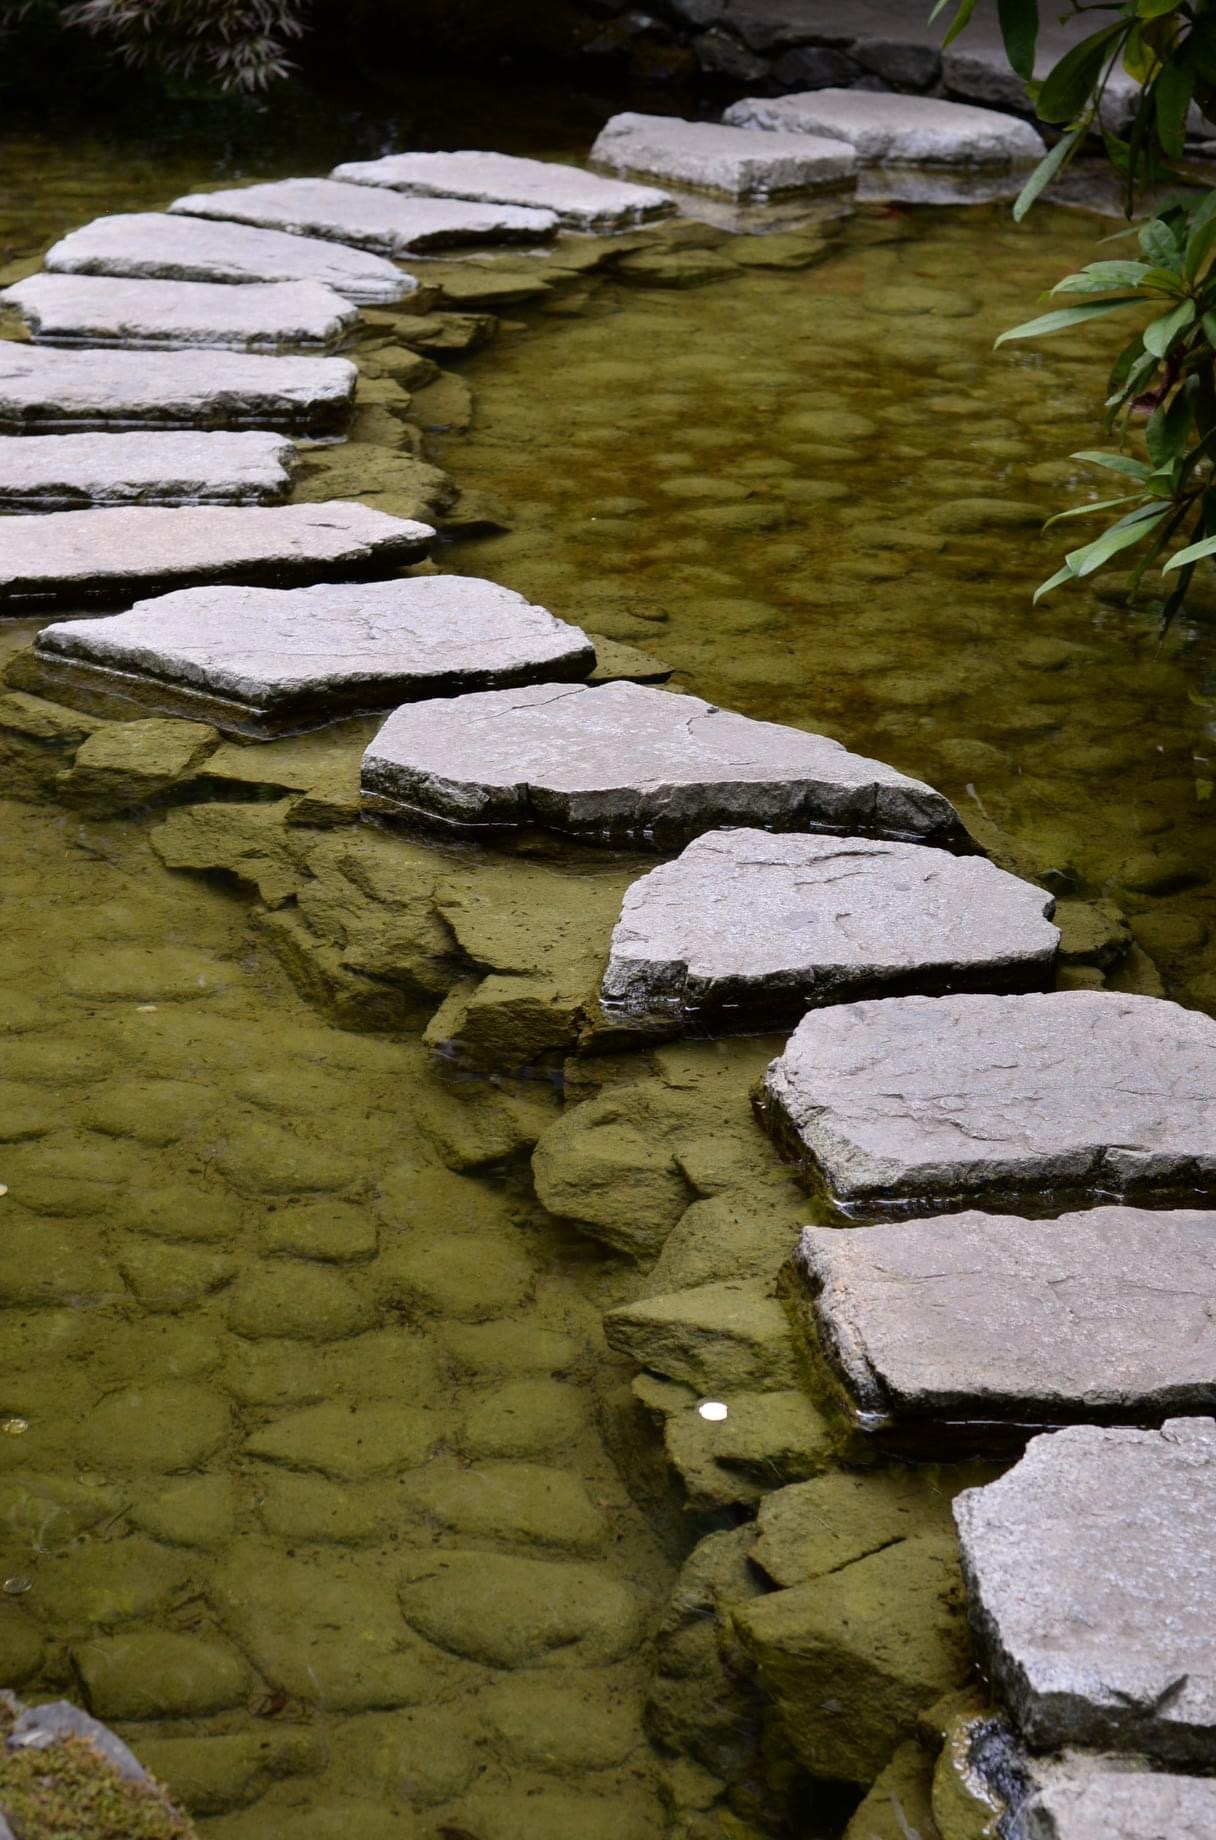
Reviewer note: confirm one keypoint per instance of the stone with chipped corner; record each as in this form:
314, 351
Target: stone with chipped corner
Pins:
719, 1338
367, 217
1093, 1799
102, 310
1092, 1588
709, 157
581, 200
1077, 1093
897, 130
59, 472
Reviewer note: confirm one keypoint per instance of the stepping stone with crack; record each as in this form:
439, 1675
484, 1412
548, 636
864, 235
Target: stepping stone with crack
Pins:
110, 553
366, 217
624, 763
154, 246
259, 659
55, 472
43, 387
750, 926
1056, 1096
974, 1326
1091, 1573
580, 200
896, 130
734, 162
166, 315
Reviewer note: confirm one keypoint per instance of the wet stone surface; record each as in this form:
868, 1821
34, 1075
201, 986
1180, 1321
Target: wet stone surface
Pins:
59, 472
368, 217
1088, 1801
581, 200
735, 162
100, 310
896, 130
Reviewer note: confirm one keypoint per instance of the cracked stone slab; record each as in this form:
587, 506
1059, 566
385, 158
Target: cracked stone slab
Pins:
113, 551
43, 387
121, 310
580, 200
710, 157
752, 923
1108, 1314
243, 656
1073, 1094
886, 129
154, 246
622, 761
368, 217
1093, 1799
55, 472
1091, 1577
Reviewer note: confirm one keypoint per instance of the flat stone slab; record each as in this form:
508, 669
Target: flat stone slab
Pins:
966, 1318
886, 129
1066, 1094
1094, 1800
43, 387
108, 553
1091, 1575
579, 200
54, 472
155, 246
247, 656
709, 157
367, 216
622, 761
748, 922
119, 310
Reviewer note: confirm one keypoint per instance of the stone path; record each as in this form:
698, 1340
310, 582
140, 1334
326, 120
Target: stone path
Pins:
885, 129
580, 200
367, 217
56, 472
1095, 1803
738, 163
111, 310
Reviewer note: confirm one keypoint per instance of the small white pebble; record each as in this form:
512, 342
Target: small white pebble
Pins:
713, 1410
3, 1188
15, 1586
145, 1009
14, 1427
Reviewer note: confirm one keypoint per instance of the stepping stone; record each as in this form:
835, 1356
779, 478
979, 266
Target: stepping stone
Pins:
108, 554
896, 130
116, 310
941, 1326
367, 217
1091, 1573
155, 246
53, 472
253, 658
758, 925
44, 387
1091, 1800
736, 162
1079, 1093
621, 762
580, 200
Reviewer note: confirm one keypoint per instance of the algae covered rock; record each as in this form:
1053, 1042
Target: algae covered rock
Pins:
348, 1442
900, 1801
524, 1504
507, 1612
609, 1164
158, 1674
765, 1440
210, 1775
126, 764
719, 1338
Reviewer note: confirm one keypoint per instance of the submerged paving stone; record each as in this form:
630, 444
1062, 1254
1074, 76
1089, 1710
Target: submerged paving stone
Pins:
624, 761
581, 200
1078, 1092
896, 130
709, 157
368, 217
1092, 1588
745, 921
103, 310
1091, 1800
54, 472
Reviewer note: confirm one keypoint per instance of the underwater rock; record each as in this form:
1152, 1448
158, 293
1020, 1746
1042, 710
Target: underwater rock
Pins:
896, 130
580, 200
299, 1302
765, 1441
101, 310
529, 1716
1090, 1800
158, 1674
438, 333
392, 482
348, 1442
209, 1775
734, 162
900, 1800
165, 1426
609, 1164
719, 1338
514, 1504
524, 1418
367, 217
508, 1612
462, 1276
56, 472
507, 1023
128, 763
623, 1813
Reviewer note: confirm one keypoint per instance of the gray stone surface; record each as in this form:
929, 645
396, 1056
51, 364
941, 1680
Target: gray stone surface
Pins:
1091, 1575
121, 310
1109, 1313
902, 130
368, 217
736, 162
1091, 1800
281, 652
156, 246
43, 387
108, 553
38, 1727
1073, 1093
55, 472
580, 200
625, 761
747, 921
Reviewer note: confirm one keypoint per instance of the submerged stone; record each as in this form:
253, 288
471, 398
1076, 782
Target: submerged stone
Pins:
127, 763
719, 1338
740, 163
580, 200
1095, 1800
367, 217
100, 310
520, 1504
158, 1674
896, 130
506, 1612
56, 472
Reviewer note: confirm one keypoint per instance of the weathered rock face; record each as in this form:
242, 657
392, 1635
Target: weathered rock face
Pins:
622, 761
896, 130
367, 217
1092, 1802
745, 923
1075, 1092
111, 310
1089, 1568
717, 1338
56, 472
734, 162
157, 246
580, 200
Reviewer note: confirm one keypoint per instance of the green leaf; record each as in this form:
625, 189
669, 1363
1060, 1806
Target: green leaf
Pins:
1101, 504
1020, 31
1139, 373
1172, 94
1114, 463
1155, 9
1055, 581
1120, 536
1065, 92
1160, 245
1101, 277
1195, 552
1200, 245
1161, 334
1048, 167
960, 22
1064, 317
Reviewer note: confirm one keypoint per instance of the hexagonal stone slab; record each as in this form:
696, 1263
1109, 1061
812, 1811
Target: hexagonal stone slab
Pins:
154, 245
47, 386
1092, 1800
366, 217
945, 1324
53, 472
580, 200
1091, 1574
622, 762
1058, 1095
745, 924
709, 157
257, 657
896, 130
118, 310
